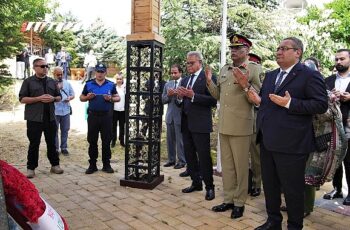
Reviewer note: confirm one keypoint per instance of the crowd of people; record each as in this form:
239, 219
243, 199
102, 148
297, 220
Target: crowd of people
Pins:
267, 123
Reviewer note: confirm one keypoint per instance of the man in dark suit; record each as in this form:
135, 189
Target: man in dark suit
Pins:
289, 97
196, 125
339, 84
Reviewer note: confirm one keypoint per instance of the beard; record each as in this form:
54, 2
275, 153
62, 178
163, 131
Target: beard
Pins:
341, 68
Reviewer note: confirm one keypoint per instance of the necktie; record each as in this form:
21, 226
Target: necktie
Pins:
279, 80
175, 85
191, 80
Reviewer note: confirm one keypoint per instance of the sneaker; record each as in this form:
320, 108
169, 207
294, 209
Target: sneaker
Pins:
91, 169
107, 169
30, 173
65, 152
56, 169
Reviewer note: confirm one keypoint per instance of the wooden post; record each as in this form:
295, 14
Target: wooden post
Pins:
143, 102
145, 21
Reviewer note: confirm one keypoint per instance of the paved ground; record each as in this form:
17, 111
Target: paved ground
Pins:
97, 201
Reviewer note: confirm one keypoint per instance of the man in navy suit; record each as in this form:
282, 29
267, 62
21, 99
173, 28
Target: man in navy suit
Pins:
339, 83
196, 125
289, 97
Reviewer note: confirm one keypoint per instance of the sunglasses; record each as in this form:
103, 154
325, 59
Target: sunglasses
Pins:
42, 66
100, 71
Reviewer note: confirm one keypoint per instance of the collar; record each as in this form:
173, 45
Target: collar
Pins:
288, 70
341, 77
198, 72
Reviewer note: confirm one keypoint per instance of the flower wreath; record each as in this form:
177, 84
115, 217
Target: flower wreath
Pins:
24, 203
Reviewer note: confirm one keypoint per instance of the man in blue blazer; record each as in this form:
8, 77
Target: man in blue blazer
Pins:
289, 97
196, 125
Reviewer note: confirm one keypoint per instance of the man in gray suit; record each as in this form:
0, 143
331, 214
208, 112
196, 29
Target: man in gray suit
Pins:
173, 120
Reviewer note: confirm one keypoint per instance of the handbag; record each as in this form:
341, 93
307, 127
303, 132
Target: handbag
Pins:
322, 142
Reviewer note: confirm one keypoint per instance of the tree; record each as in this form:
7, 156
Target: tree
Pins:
108, 46
12, 14
320, 32
196, 25
341, 12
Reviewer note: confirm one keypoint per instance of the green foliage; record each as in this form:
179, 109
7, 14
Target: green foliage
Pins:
195, 25
341, 12
55, 40
321, 34
108, 46
12, 14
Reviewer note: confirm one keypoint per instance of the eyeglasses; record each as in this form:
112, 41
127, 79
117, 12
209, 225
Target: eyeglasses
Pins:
284, 48
100, 71
42, 66
191, 62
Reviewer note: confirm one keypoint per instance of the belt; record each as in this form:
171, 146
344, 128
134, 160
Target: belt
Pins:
98, 113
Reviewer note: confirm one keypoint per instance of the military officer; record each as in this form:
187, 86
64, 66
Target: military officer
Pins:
236, 118
255, 188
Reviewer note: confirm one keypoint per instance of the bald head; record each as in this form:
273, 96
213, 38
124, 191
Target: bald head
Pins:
58, 73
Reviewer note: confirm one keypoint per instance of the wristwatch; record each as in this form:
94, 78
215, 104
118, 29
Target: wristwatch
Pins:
247, 88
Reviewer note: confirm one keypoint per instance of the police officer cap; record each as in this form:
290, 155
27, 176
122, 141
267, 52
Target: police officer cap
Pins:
254, 58
239, 40
101, 67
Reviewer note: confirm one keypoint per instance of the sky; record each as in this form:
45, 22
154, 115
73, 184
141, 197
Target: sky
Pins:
115, 13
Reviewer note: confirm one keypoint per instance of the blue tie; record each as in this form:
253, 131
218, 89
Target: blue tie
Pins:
191, 80
279, 80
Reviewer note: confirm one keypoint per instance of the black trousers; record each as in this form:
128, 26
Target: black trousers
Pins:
118, 117
99, 122
197, 154
286, 171
34, 132
338, 176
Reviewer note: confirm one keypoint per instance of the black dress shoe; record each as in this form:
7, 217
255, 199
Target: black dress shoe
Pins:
237, 212
346, 200
169, 164
113, 144
306, 214
210, 194
184, 174
255, 192
107, 169
179, 165
283, 208
333, 194
65, 152
192, 188
91, 169
269, 225
222, 207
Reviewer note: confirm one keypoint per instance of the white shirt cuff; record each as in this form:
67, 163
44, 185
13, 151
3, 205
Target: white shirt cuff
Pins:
288, 104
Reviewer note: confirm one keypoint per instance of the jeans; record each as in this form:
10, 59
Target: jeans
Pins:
63, 123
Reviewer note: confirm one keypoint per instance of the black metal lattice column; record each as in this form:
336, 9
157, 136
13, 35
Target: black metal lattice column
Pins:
143, 106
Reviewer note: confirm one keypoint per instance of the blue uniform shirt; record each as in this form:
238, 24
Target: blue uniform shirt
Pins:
98, 103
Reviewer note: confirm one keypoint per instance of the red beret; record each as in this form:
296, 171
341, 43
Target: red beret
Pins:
254, 58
